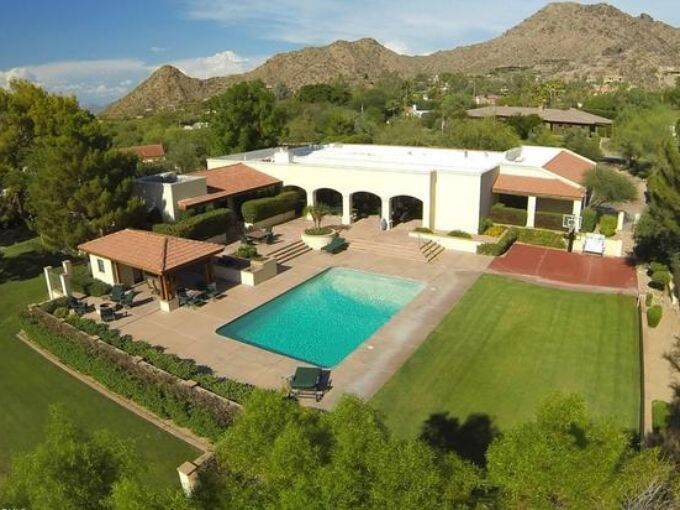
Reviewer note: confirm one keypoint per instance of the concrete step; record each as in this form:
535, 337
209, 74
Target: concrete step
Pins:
288, 247
292, 254
432, 255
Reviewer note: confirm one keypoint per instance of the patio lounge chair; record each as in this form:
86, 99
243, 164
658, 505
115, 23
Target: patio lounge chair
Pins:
78, 306
107, 313
117, 293
309, 382
336, 245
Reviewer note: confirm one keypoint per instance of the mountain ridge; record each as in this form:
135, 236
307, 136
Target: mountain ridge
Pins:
566, 40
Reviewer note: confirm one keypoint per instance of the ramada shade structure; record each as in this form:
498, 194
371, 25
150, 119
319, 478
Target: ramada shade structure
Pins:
153, 253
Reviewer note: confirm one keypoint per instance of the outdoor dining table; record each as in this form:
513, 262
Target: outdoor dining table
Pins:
256, 235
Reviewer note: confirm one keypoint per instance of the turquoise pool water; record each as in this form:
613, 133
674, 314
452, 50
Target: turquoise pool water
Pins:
325, 318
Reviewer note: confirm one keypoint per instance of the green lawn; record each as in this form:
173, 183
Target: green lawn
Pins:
29, 384
508, 344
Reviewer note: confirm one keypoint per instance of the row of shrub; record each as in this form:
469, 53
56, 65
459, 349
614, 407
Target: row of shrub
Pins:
119, 372
263, 208
508, 215
660, 275
500, 246
199, 226
551, 220
541, 237
154, 355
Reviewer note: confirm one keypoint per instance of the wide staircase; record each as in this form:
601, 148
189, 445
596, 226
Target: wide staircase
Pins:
289, 252
426, 252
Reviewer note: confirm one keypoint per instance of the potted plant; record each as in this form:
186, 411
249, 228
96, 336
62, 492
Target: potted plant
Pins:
318, 236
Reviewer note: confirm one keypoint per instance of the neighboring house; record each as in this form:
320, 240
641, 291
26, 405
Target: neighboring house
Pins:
486, 99
147, 153
171, 194
453, 188
131, 256
556, 119
413, 111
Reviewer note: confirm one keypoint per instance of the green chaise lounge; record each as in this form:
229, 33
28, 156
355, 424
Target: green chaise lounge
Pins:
309, 382
336, 245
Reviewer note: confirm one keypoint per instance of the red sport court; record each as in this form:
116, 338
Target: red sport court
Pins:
565, 267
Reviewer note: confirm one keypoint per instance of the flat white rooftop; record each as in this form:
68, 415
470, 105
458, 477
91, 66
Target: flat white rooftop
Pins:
382, 157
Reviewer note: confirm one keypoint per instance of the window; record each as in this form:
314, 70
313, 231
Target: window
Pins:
100, 266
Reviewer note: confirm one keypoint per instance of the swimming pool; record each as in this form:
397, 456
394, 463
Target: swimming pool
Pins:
325, 318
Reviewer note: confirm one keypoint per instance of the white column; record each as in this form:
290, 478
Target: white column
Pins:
385, 210
347, 209
576, 208
619, 221
46, 272
427, 214
311, 199
531, 211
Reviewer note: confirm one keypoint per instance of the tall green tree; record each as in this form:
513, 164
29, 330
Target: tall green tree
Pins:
658, 231
245, 118
566, 459
609, 186
77, 193
486, 134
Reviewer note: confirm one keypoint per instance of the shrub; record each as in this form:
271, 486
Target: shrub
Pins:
321, 231
247, 251
484, 225
263, 208
61, 312
589, 219
649, 298
661, 412
198, 226
423, 230
660, 280
51, 306
98, 288
501, 246
541, 237
495, 230
675, 265
656, 267
508, 215
549, 220
608, 224
654, 315
459, 233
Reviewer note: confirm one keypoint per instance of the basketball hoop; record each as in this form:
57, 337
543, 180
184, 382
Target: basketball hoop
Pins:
572, 222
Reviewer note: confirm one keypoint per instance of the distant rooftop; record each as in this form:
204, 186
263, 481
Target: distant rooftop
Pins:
153, 151
555, 115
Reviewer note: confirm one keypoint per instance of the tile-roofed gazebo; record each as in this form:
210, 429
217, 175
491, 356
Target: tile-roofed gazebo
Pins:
159, 255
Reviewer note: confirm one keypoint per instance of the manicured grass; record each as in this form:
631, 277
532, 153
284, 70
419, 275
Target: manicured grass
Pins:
507, 345
29, 384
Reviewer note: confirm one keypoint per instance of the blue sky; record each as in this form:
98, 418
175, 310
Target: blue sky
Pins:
99, 50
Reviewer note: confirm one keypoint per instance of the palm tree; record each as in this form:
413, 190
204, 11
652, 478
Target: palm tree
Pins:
317, 212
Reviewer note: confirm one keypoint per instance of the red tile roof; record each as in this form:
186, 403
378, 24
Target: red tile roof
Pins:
229, 180
154, 253
153, 151
551, 188
569, 166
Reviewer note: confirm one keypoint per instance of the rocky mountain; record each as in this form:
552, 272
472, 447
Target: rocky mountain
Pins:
566, 40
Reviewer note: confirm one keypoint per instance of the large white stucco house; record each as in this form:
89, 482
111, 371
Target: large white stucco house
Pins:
456, 187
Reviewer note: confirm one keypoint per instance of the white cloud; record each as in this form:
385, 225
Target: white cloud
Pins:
158, 49
103, 81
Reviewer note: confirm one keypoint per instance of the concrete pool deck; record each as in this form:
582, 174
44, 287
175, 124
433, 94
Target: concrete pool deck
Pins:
190, 333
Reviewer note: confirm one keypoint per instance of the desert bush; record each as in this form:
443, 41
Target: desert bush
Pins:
459, 233
654, 314
247, 251
589, 219
660, 280
608, 224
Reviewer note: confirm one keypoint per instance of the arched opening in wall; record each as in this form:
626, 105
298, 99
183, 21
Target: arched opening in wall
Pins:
331, 198
302, 197
365, 204
405, 209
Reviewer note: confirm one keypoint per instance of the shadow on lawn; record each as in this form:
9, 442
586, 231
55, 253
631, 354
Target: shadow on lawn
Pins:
470, 439
27, 265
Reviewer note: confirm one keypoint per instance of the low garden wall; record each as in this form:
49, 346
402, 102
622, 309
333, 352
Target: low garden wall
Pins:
449, 242
612, 247
182, 400
273, 220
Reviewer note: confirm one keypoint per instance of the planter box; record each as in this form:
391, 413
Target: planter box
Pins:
448, 242
612, 247
251, 274
316, 242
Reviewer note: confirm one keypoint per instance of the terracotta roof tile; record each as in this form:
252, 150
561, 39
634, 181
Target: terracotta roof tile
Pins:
155, 253
569, 166
520, 185
152, 151
229, 180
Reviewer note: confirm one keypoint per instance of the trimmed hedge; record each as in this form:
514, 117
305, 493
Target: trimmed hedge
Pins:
484, 225
423, 230
661, 413
201, 411
263, 208
459, 233
508, 215
199, 226
500, 246
550, 220
660, 280
589, 220
608, 224
541, 237
654, 314
82, 281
